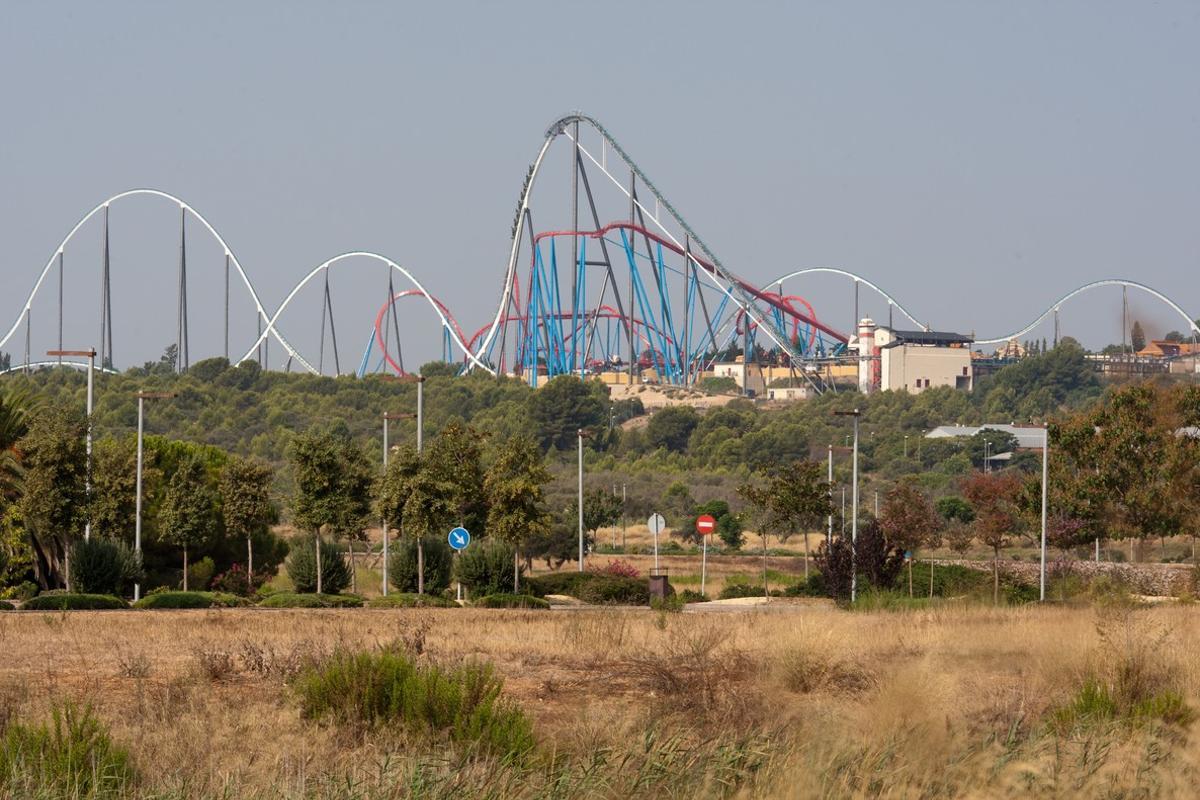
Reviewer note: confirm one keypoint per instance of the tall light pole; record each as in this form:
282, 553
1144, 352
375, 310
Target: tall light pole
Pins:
581, 437
853, 507
91, 383
829, 519
1045, 476
142, 397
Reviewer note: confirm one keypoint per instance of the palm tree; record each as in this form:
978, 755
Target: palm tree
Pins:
14, 419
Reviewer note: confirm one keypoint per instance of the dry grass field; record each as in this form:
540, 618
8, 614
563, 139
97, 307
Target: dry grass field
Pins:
797, 701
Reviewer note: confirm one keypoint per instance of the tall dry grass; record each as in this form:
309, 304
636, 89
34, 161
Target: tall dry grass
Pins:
946, 702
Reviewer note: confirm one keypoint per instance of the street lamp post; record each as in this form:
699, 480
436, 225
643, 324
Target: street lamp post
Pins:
1045, 476
142, 397
91, 383
853, 506
581, 437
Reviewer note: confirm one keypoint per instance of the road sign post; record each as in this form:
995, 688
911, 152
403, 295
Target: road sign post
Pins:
656, 524
706, 524
458, 538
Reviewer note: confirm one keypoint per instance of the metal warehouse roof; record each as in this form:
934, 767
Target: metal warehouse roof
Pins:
1027, 436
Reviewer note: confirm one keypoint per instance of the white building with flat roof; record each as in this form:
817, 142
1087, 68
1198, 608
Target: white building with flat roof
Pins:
912, 361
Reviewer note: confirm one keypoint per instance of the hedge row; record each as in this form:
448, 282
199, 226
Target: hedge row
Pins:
411, 600
592, 587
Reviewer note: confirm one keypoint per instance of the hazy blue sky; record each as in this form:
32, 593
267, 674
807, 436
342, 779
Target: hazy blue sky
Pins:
977, 159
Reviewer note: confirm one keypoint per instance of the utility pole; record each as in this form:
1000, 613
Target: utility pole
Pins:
1045, 476
853, 503
581, 436
90, 354
829, 519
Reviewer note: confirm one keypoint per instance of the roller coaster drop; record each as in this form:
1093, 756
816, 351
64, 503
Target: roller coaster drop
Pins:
680, 306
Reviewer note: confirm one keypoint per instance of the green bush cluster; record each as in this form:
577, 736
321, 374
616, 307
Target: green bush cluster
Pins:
735, 590
486, 569
66, 601
73, 757
411, 600
103, 566
509, 600
302, 567
191, 600
438, 558
369, 689
296, 600
592, 587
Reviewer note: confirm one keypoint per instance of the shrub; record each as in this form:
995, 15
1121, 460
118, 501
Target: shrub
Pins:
411, 600
487, 569
619, 568
200, 573
294, 600
402, 565
73, 602
103, 566
612, 590
566, 582
509, 600
74, 757
591, 587
302, 567
384, 688
692, 596
6, 605
733, 590
673, 603
237, 581
190, 600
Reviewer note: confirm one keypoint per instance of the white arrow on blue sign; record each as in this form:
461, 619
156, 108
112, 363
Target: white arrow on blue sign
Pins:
459, 538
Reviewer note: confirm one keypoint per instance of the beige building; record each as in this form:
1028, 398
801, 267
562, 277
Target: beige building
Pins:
912, 361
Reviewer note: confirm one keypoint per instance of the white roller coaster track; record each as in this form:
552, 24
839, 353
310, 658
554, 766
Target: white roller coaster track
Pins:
79, 365
363, 254
258, 307
1017, 334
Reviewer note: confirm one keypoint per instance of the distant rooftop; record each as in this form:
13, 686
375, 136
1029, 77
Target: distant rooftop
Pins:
1027, 436
927, 337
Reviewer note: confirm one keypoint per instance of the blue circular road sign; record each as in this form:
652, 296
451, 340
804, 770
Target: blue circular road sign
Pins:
459, 538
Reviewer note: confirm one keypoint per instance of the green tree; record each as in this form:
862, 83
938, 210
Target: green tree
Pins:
953, 508
114, 487
514, 486
563, 406
333, 479
14, 423
428, 493
788, 498
601, 509
670, 427
246, 502
54, 494
188, 517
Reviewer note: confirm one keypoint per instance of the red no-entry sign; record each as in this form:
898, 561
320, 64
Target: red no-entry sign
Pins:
705, 524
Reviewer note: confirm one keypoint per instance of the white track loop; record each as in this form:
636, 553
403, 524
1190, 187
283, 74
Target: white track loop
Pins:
559, 128
1055, 306
258, 306
857, 279
392, 265
1088, 287
79, 365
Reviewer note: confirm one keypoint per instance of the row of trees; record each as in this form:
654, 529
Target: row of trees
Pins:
195, 498
426, 493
